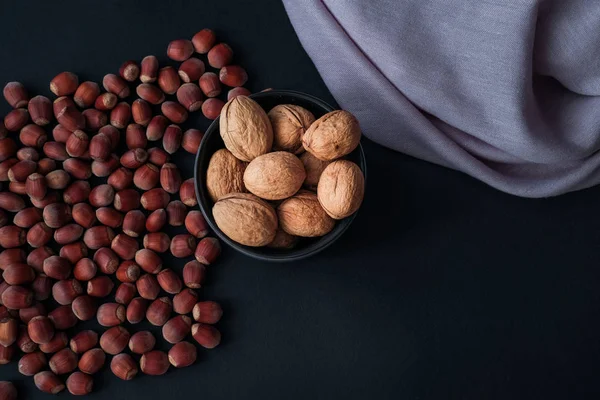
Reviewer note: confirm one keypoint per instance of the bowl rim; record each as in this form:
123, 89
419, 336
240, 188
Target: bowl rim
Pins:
326, 240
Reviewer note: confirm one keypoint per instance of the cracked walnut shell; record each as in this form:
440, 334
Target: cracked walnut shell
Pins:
341, 189
302, 215
289, 124
274, 176
224, 175
246, 219
332, 136
245, 128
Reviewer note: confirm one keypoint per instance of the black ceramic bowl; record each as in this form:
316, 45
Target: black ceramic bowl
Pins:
212, 142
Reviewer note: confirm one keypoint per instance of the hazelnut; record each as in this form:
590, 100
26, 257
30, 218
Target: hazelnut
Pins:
115, 84
63, 362
121, 178
146, 177
74, 252
114, 340
207, 336
106, 260
141, 112
168, 80
100, 286
158, 156
204, 40
154, 362
58, 342
102, 169
63, 317
191, 140
94, 119
64, 84
176, 212
85, 269
136, 310
16, 94
191, 69
187, 193
79, 383
207, 312
142, 342
155, 199
180, 49
125, 293
77, 192
238, 91
210, 84
182, 354
169, 281
134, 223
32, 363
78, 169
148, 287
106, 101
16, 297
18, 274
190, 97
128, 271
84, 215
84, 341
124, 366
27, 314
149, 69
183, 245
42, 287
92, 361
100, 147
47, 382
111, 314
148, 260
9, 329
125, 246
172, 139
57, 215
33, 136
135, 136
156, 127
129, 71
98, 236
109, 216
183, 302
65, 291
159, 311
84, 308
40, 110
68, 234
40, 329
170, 178
86, 94
57, 179
220, 55
120, 115
150, 93
208, 250
134, 158
233, 75
193, 274
156, 220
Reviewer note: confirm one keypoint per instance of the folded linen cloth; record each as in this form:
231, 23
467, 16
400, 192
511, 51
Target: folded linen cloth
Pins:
507, 91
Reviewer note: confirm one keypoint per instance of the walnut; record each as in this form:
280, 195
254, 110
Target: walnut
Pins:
246, 219
225, 174
302, 215
245, 128
341, 188
313, 167
332, 136
289, 124
274, 176
283, 240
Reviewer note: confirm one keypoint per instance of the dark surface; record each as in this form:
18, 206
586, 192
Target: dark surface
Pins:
442, 288
212, 142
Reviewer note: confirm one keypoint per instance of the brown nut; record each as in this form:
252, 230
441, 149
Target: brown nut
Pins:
191, 140
92, 361
238, 91
170, 178
274, 176
106, 260
149, 261
187, 193
16, 94
191, 69
48, 382
85, 269
27, 314
136, 310
134, 158
46, 165
40, 329
190, 97
142, 342
182, 354
65, 291
58, 342
9, 330
63, 317
141, 112
177, 328
57, 179
125, 293
211, 108
12, 256
220, 55
42, 287
208, 250
127, 200
158, 156
155, 199
156, 127
302, 215
125, 246
18, 274
13, 236
40, 110
134, 223
154, 362
77, 192
106, 101
332, 136
33, 136
156, 220
94, 119
150, 93
32, 363
98, 236
314, 168
157, 241
204, 40
111, 314
109, 216
84, 215
147, 287
124, 366
79, 384
64, 83
289, 122
57, 267
100, 147
210, 84
169, 281
86, 94
176, 212
207, 336
159, 311
128, 271
105, 168
16, 297
68, 234
84, 341
146, 177
233, 75
100, 286
121, 178
172, 139
149, 69
84, 307
180, 49
63, 362
168, 80
341, 189
114, 340
193, 274
225, 174
135, 136
115, 84
207, 312
245, 219
184, 301
120, 115
183, 245
129, 71
79, 169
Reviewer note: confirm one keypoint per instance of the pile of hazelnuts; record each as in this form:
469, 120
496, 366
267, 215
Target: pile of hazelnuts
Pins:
83, 212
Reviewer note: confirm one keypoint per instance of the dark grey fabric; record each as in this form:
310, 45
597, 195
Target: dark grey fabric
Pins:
507, 91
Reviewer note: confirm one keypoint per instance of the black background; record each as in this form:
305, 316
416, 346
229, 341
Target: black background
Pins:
442, 288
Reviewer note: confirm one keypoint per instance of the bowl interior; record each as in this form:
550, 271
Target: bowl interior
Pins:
212, 142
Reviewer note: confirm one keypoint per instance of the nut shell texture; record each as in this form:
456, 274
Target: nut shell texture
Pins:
289, 123
225, 174
274, 176
332, 136
302, 215
341, 189
245, 128
246, 219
